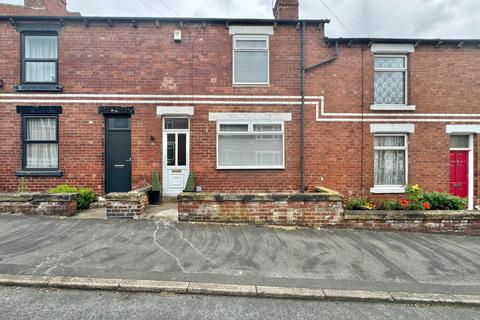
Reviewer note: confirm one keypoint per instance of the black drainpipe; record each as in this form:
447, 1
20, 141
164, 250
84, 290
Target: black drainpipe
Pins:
303, 70
302, 110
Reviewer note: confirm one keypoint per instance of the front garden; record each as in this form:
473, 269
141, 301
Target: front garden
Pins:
416, 200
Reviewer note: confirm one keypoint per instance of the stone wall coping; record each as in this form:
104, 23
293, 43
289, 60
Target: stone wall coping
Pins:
411, 215
37, 196
258, 197
134, 195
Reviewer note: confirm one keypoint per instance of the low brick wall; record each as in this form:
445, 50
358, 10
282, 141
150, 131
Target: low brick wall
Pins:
466, 222
309, 209
49, 204
323, 209
127, 205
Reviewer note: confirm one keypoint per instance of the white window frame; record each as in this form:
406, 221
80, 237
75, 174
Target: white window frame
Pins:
235, 49
391, 188
250, 132
392, 107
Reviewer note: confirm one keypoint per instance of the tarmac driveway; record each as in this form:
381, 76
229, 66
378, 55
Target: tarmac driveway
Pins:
143, 249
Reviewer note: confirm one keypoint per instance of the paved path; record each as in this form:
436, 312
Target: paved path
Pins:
31, 303
144, 249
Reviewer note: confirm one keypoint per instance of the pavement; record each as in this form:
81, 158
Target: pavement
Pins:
335, 264
167, 211
54, 304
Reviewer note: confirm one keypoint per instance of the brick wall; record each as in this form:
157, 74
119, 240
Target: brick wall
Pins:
424, 221
127, 205
99, 59
39, 203
273, 209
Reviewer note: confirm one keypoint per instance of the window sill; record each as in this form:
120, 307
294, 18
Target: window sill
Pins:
387, 189
392, 107
38, 173
253, 85
44, 87
250, 168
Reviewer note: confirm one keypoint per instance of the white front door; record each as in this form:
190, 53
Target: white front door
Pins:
176, 154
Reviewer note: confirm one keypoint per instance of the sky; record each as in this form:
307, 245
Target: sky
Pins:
350, 18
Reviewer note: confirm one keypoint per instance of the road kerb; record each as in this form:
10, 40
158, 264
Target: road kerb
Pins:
132, 285
408, 297
222, 289
468, 299
24, 280
84, 283
358, 295
153, 286
293, 293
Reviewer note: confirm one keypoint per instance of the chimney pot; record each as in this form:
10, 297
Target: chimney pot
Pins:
286, 9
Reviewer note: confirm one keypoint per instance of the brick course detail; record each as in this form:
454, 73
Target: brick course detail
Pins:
312, 210
127, 205
39, 203
274, 209
141, 58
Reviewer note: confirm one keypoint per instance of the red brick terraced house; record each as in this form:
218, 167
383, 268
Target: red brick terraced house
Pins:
247, 105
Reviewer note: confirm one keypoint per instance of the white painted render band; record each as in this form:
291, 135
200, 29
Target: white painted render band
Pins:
266, 30
319, 102
455, 128
248, 116
393, 48
177, 110
392, 128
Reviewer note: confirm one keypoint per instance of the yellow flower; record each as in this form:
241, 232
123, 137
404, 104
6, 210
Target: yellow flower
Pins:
416, 187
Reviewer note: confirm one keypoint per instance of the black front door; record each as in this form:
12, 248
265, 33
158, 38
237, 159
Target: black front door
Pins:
118, 154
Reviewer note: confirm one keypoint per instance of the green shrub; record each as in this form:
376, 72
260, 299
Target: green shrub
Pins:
360, 204
391, 205
85, 195
444, 201
190, 186
156, 186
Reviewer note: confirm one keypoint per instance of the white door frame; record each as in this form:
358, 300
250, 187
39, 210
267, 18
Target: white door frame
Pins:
470, 166
186, 167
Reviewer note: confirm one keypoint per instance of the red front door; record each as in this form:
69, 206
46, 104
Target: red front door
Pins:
459, 173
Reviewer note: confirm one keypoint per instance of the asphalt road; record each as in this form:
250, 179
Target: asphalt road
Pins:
329, 259
32, 303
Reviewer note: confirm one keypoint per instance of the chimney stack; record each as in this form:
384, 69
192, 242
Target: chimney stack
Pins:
286, 9
37, 4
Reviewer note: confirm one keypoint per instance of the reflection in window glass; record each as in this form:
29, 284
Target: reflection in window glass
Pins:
176, 123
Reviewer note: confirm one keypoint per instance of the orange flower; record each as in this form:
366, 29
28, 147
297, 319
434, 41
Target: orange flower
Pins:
426, 205
404, 202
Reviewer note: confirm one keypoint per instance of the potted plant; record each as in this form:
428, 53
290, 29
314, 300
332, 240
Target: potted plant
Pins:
155, 194
190, 186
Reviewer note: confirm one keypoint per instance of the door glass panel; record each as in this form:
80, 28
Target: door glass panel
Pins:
182, 149
171, 149
118, 123
176, 123
457, 142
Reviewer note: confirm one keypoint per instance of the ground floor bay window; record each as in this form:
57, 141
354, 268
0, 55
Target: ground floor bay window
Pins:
390, 163
250, 145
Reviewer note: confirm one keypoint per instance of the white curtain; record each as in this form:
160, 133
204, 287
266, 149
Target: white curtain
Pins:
250, 150
389, 164
40, 47
251, 66
42, 155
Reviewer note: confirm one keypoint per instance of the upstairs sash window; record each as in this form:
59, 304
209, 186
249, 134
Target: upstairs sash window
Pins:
40, 58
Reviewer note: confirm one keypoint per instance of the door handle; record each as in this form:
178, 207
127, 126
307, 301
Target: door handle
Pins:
129, 160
